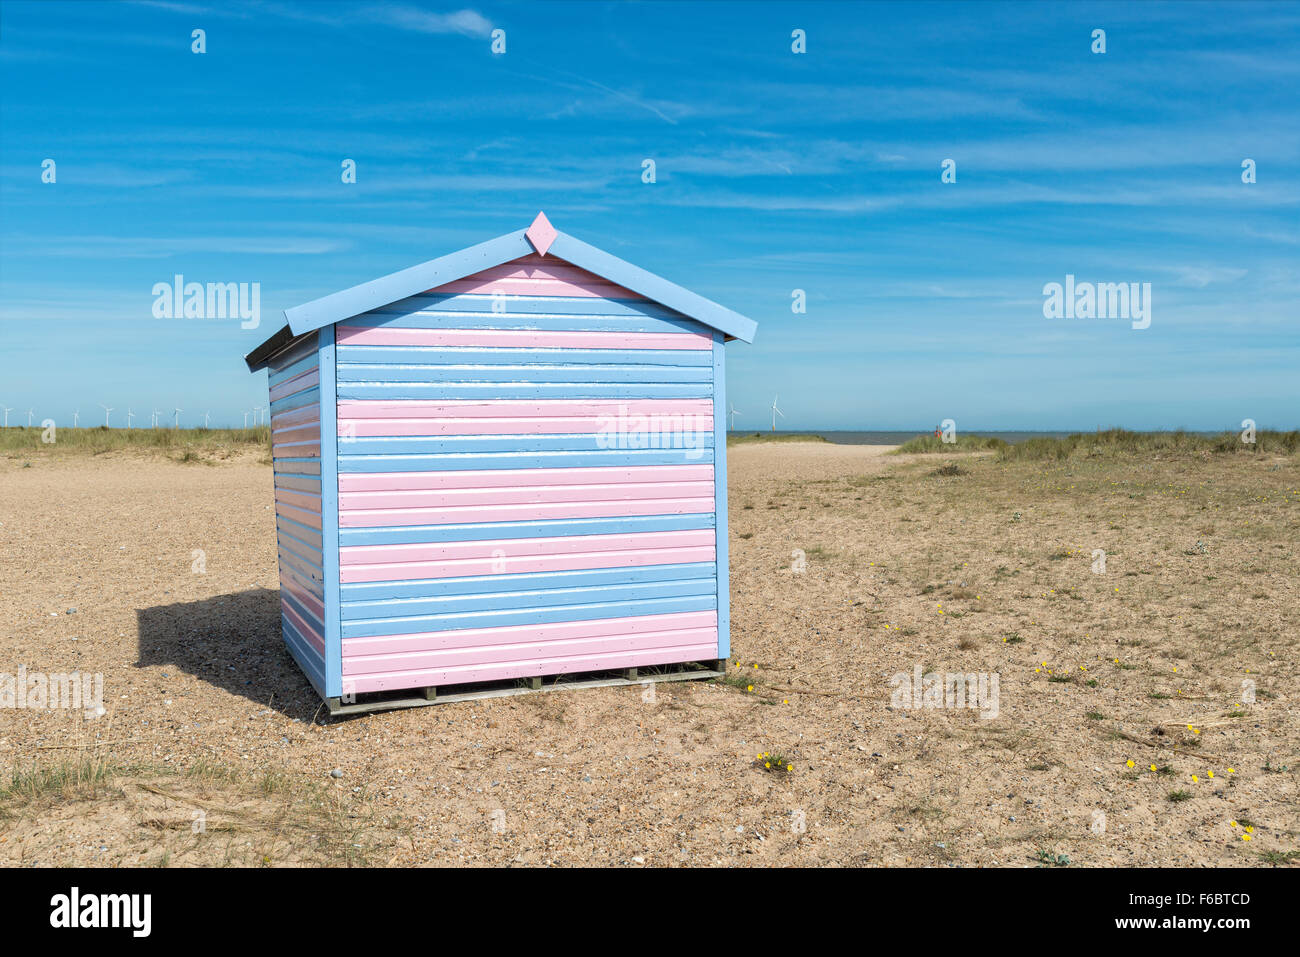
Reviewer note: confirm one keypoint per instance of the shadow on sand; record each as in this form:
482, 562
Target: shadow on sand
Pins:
231, 641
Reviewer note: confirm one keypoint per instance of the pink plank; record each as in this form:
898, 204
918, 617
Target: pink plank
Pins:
300, 499
295, 450
303, 415
522, 495
518, 338
462, 674
575, 425
305, 628
300, 515
511, 547
408, 571
510, 478
384, 518
303, 434
304, 597
517, 408
297, 384
531, 651
515, 634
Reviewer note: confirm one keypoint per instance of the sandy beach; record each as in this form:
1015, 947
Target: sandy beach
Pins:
849, 566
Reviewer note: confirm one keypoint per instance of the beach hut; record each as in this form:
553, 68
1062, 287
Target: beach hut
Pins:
498, 471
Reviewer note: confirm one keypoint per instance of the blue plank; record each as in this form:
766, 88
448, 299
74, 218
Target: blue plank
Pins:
482, 584
330, 513
522, 460
374, 627
504, 355
513, 390
720, 493
544, 528
508, 600
470, 311
276, 376
296, 401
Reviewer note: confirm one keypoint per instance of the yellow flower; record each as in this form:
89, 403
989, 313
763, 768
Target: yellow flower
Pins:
1232, 824
1153, 767
1245, 837
1231, 771
789, 767
749, 688
1209, 774
1195, 779
767, 764
1249, 829
1130, 762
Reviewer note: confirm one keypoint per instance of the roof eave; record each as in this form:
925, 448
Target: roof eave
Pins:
436, 272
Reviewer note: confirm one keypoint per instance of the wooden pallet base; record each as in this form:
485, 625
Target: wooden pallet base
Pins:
449, 694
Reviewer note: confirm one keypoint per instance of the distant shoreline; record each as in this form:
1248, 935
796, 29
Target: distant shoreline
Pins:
898, 437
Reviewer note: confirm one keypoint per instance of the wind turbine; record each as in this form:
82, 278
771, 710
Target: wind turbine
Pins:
7, 411
257, 415
75, 416
245, 420
775, 413
205, 420
107, 409
29, 418
156, 414
734, 411
129, 416
177, 414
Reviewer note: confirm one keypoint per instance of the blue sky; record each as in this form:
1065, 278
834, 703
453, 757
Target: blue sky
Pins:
775, 171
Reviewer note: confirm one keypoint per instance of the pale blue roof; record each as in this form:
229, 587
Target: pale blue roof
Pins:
436, 272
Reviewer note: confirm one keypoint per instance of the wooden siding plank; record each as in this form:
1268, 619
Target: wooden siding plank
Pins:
600, 458
537, 493
517, 478
479, 531
720, 492
511, 548
360, 518
362, 684
514, 355
330, 511
371, 592
445, 375
361, 409
694, 639
536, 615
512, 634
521, 339
390, 391
397, 571
504, 600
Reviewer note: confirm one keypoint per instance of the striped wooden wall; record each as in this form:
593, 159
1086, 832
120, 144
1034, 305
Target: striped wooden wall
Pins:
485, 529
296, 456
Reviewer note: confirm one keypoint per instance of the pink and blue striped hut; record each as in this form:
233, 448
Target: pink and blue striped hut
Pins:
498, 471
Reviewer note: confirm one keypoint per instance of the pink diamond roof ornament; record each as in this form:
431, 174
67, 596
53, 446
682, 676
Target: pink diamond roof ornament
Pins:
541, 234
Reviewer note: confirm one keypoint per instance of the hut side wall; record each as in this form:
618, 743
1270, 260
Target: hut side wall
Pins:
501, 515
295, 395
